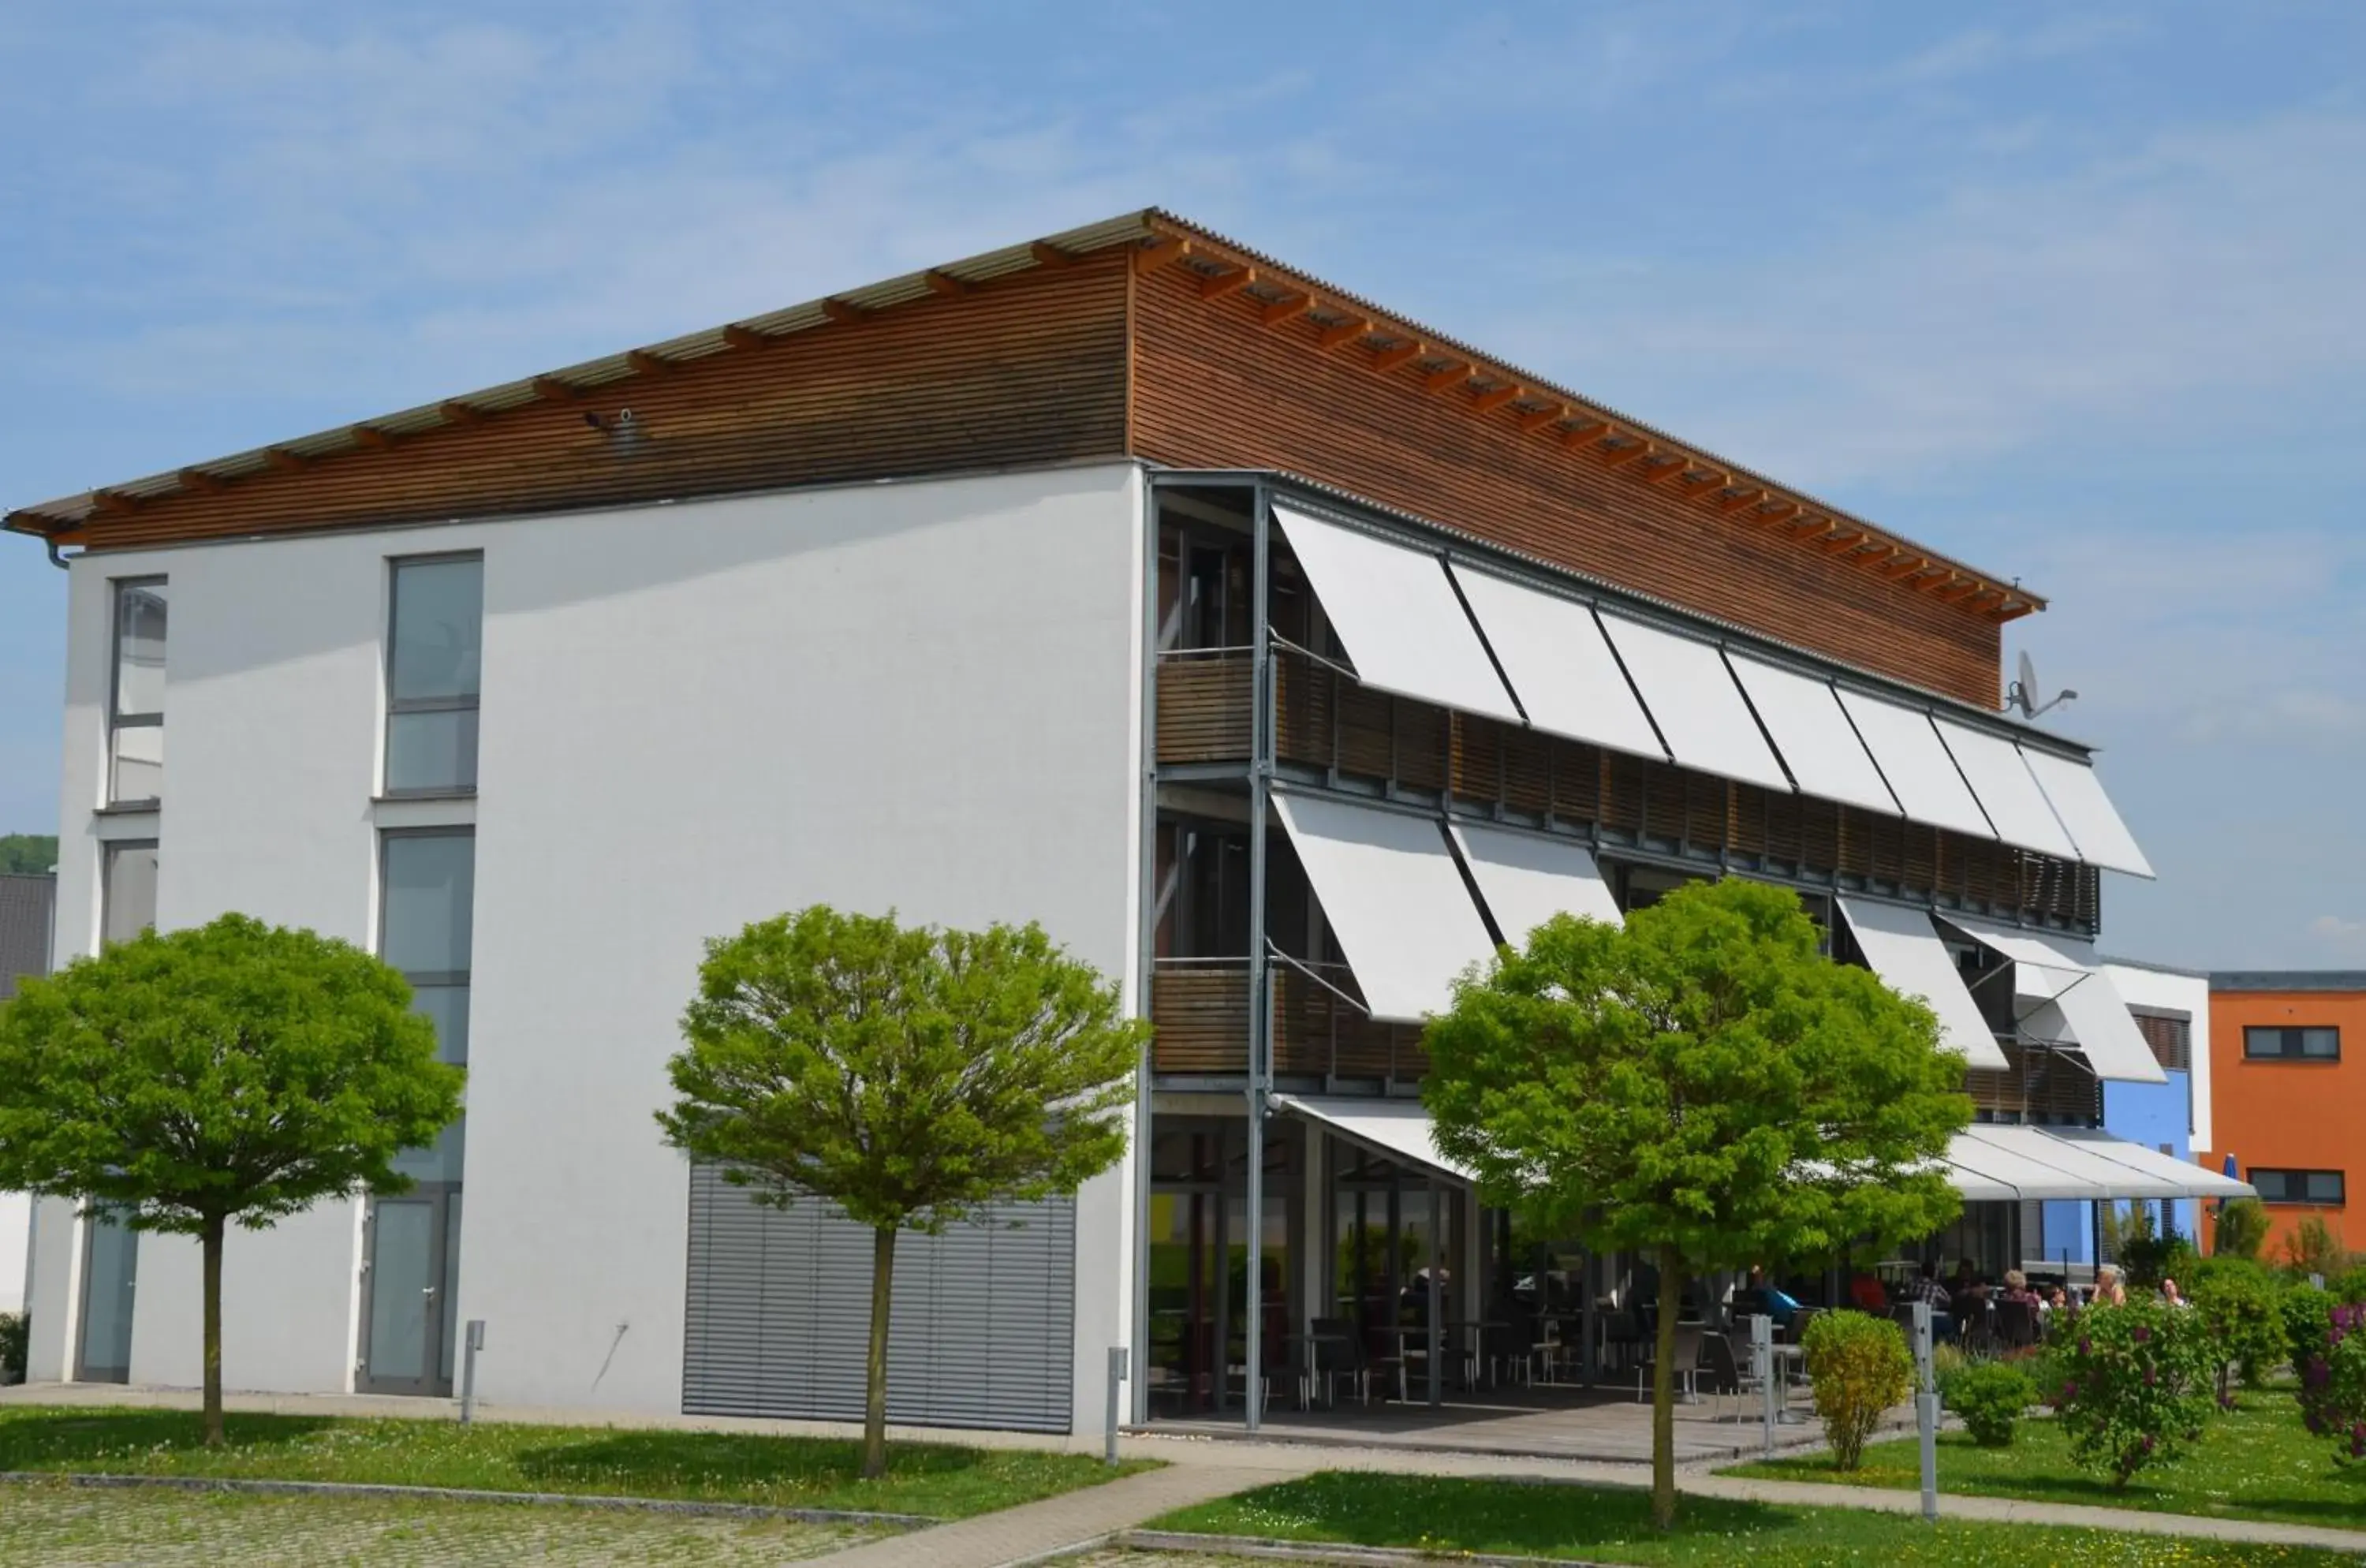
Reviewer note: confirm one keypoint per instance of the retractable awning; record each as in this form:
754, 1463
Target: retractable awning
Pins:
1692, 696
1398, 616
2012, 1164
1527, 880
2007, 791
1554, 654
1921, 773
1396, 1129
1904, 948
1394, 898
1812, 732
2063, 996
2077, 798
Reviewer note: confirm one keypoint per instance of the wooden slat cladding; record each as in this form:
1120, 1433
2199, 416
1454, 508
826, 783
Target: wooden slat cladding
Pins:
1215, 386
1201, 1011
1027, 370
1204, 708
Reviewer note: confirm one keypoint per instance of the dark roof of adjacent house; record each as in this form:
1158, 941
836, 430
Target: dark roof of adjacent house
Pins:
2288, 980
25, 905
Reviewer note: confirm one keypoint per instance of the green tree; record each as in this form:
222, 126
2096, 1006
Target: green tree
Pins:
1702, 1087
32, 852
2241, 1230
227, 1072
910, 1076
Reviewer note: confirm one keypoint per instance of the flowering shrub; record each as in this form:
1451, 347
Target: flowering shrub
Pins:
2138, 1382
2308, 1324
1990, 1396
1860, 1369
2238, 1301
2333, 1384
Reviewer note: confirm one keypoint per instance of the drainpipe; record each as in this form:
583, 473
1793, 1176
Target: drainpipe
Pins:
55, 559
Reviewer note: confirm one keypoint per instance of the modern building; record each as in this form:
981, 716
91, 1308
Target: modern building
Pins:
25, 905
2291, 1092
1275, 652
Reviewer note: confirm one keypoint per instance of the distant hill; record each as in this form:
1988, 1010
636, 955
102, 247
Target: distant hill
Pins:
27, 851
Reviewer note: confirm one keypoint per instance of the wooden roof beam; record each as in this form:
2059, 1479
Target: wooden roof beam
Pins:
284, 461
1904, 564
1624, 456
1158, 253
1388, 359
1747, 496
845, 312
1675, 468
1488, 401
377, 440
1216, 286
198, 480
1452, 379
552, 391
1585, 432
1540, 419
945, 284
737, 337
1048, 254
113, 503
1769, 514
1280, 312
456, 412
1340, 334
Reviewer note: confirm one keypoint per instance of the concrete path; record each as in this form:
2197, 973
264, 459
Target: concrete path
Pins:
1073, 1521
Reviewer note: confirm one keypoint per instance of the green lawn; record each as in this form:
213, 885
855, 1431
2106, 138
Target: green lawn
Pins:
939, 1480
2255, 1462
1605, 1525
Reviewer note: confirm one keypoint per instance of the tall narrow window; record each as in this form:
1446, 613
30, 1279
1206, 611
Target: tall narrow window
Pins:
434, 643
127, 904
135, 775
425, 932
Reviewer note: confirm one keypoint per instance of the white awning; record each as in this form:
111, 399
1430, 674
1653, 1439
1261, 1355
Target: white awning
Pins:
1692, 697
1921, 773
2094, 823
2063, 995
1398, 1129
1812, 732
2198, 1180
1996, 1162
1394, 898
1398, 616
1527, 880
1903, 947
1553, 652
2007, 792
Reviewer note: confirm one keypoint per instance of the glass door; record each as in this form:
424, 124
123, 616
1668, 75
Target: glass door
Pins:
110, 1276
406, 1307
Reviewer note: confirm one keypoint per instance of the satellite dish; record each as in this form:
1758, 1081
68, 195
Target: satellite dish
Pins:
2023, 697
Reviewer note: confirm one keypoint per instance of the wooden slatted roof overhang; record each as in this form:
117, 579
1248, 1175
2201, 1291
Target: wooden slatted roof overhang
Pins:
1323, 319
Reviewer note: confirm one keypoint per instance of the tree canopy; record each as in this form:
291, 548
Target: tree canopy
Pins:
912, 1075
230, 1072
28, 853
1699, 1086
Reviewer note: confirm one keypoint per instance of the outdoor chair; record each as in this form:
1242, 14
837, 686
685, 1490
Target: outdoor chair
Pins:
1725, 1364
1687, 1359
1338, 1351
1515, 1348
2016, 1324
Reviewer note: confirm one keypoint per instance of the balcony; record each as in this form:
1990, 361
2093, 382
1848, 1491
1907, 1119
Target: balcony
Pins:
1201, 1007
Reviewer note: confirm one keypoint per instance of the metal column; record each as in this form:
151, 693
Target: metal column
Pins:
1260, 974
1145, 953
1437, 1301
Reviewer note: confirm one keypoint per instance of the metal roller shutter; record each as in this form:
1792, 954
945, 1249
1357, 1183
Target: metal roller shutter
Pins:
981, 1331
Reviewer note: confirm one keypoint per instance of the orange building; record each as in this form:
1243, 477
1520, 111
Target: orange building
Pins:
2288, 1065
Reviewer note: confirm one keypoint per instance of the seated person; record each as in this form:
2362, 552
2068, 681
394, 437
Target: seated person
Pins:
1865, 1290
1925, 1287
1762, 1297
2016, 1288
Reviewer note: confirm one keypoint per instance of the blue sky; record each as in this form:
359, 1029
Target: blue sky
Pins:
2073, 293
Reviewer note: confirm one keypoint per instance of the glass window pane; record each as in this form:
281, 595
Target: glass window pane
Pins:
449, 1006
438, 1161
429, 886
439, 621
138, 770
139, 647
451, 1285
2324, 1043
2324, 1186
127, 904
113, 1266
2270, 1184
437, 750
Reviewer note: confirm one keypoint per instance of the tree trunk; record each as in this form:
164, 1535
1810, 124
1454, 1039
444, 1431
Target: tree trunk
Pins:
211, 1291
1663, 1391
874, 1392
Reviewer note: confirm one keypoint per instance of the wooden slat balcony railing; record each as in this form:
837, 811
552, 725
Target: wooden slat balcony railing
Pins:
1204, 711
1200, 1009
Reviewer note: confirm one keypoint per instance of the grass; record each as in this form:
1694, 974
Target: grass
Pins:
938, 1479
46, 1523
2254, 1462
1607, 1525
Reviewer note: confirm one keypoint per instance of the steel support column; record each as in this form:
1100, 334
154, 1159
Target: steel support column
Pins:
1260, 1041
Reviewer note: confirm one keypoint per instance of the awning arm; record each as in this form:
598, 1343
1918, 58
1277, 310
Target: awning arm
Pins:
1274, 952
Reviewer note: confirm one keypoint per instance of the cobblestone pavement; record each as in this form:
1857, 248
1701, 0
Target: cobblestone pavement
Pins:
68, 1527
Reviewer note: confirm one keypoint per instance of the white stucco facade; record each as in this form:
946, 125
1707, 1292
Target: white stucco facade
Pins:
923, 696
